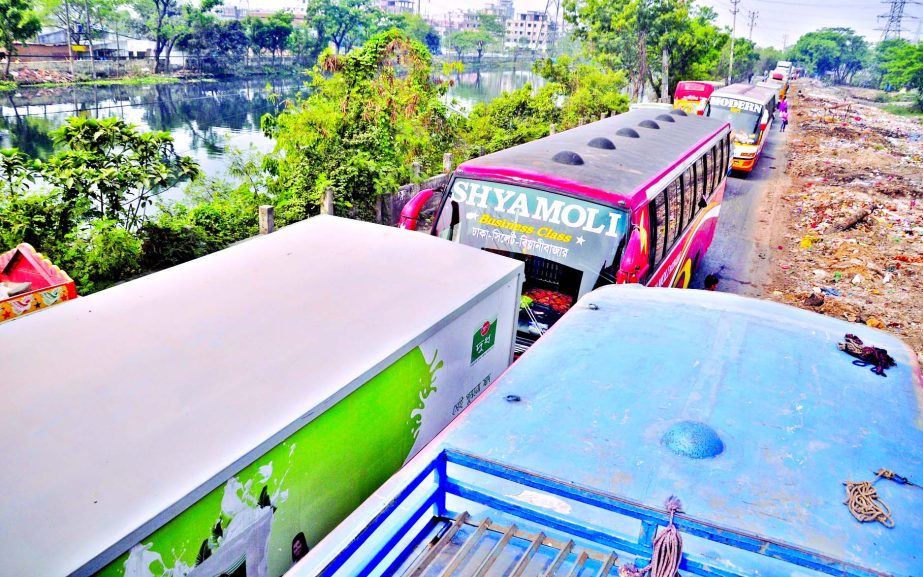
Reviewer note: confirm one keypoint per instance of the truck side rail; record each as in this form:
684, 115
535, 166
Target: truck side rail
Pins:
398, 538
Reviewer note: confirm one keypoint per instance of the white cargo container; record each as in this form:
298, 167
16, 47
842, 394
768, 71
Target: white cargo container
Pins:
220, 417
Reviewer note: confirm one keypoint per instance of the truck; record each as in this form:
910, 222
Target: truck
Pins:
220, 417
656, 430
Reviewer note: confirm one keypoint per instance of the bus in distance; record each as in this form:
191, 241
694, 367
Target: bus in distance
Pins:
631, 198
750, 111
690, 96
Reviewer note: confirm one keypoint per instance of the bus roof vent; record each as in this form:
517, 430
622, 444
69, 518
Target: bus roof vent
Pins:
628, 132
568, 157
665, 118
649, 124
678, 112
603, 143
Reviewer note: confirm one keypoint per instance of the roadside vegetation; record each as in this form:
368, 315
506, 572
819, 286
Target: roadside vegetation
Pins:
374, 105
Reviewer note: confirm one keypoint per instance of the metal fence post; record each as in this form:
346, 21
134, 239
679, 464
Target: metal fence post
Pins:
267, 219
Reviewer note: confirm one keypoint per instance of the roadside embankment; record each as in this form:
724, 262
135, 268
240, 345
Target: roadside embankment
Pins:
847, 238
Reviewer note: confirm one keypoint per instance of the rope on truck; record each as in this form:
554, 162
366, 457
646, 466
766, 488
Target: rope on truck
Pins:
668, 549
863, 502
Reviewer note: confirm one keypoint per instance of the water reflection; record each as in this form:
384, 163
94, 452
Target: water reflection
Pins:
205, 118
482, 86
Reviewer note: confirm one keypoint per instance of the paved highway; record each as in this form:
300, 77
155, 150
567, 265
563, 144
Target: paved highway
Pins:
735, 252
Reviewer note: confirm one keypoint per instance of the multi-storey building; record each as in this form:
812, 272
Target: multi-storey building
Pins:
398, 6
530, 29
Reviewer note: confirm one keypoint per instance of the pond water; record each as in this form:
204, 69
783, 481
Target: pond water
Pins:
471, 87
205, 118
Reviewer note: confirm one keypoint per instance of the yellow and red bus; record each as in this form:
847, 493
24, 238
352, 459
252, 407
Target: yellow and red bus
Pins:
691, 95
749, 109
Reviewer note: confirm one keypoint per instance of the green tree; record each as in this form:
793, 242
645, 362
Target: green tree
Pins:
574, 93
838, 51
467, 41
160, 20
344, 22
214, 45
690, 46
305, 43
746, 59
120, 169
627, 34
415, 27
903, 67
369, 115
882, 56
768, 57
18, 23
270, 34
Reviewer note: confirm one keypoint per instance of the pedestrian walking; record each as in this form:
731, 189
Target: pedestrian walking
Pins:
784, 120
711, 282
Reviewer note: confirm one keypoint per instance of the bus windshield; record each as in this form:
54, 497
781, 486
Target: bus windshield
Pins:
569, 246
743, 115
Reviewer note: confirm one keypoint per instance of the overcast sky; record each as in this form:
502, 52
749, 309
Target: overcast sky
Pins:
776, 18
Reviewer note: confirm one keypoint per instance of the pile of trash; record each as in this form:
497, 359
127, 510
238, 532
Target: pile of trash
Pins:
29, 76
852, 244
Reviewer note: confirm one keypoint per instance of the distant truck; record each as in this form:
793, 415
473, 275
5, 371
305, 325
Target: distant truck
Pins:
220, 417
783, 67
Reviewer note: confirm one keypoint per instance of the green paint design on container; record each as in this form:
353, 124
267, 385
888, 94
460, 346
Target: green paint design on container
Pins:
310, 482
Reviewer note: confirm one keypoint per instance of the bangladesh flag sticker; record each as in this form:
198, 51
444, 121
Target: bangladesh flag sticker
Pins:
484, 339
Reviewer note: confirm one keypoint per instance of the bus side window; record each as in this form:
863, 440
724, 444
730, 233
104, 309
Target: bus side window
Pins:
719, 163
709, 171
727, 152
690, 204
674, 211
700, 179
658, 226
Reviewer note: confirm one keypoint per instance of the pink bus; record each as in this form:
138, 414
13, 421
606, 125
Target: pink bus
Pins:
632, 198
691, 95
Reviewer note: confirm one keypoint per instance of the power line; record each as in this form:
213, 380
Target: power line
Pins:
892, 28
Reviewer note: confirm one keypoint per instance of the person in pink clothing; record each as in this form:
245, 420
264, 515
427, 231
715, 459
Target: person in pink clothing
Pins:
784, 120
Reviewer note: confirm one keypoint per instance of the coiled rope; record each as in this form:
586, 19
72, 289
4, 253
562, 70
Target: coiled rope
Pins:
668, 549
863, 502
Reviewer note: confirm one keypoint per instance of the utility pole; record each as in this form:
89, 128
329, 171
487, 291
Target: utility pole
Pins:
753, 15
784, 42
86, 6
70, 40
734, 12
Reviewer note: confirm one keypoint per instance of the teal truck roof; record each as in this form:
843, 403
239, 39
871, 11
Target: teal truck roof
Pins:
745, 410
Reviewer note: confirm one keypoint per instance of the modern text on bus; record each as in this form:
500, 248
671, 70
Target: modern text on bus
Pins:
750, 111
632, 198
